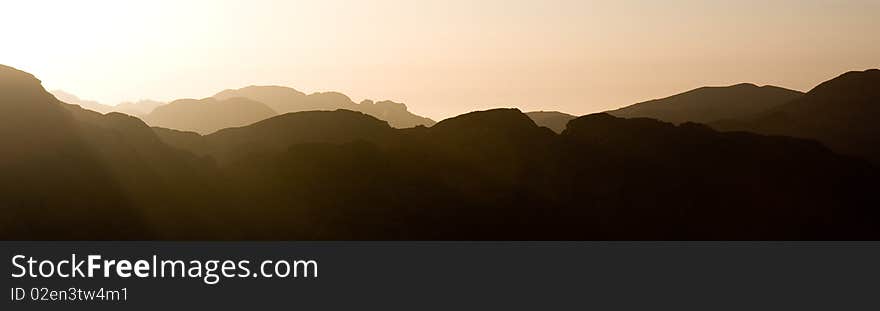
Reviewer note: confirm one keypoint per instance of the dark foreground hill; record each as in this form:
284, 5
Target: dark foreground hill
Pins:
71, 173
841, 113
497, 175
711, 104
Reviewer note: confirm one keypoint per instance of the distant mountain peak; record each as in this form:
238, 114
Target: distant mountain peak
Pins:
274, 88
63, 95
84, 103
139, 108
711, 104
553, 120
384, 104
208, 115
284, 99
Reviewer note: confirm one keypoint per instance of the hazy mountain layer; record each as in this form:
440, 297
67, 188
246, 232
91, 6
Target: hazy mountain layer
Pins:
86, 104
208, 115
138, 109
285, 99
711, 104
553, 120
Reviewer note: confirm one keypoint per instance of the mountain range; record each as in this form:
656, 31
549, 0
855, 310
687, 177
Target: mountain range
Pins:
71, 173
233, 108
839, 112
285, 100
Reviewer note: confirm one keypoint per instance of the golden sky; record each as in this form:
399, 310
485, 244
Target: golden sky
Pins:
441, 58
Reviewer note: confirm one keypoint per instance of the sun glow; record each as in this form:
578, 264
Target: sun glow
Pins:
439, 57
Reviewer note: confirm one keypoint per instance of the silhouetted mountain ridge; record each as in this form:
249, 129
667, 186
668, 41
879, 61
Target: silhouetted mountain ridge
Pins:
711, 104
71, 173
493, 172
840, 113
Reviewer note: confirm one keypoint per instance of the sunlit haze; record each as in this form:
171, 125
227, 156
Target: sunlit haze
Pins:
441, 58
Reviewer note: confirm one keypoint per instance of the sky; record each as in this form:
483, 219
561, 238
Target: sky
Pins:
440, 57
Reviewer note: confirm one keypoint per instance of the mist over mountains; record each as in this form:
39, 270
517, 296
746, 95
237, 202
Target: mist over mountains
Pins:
85, 104
553, 120
138, 108
342, 174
